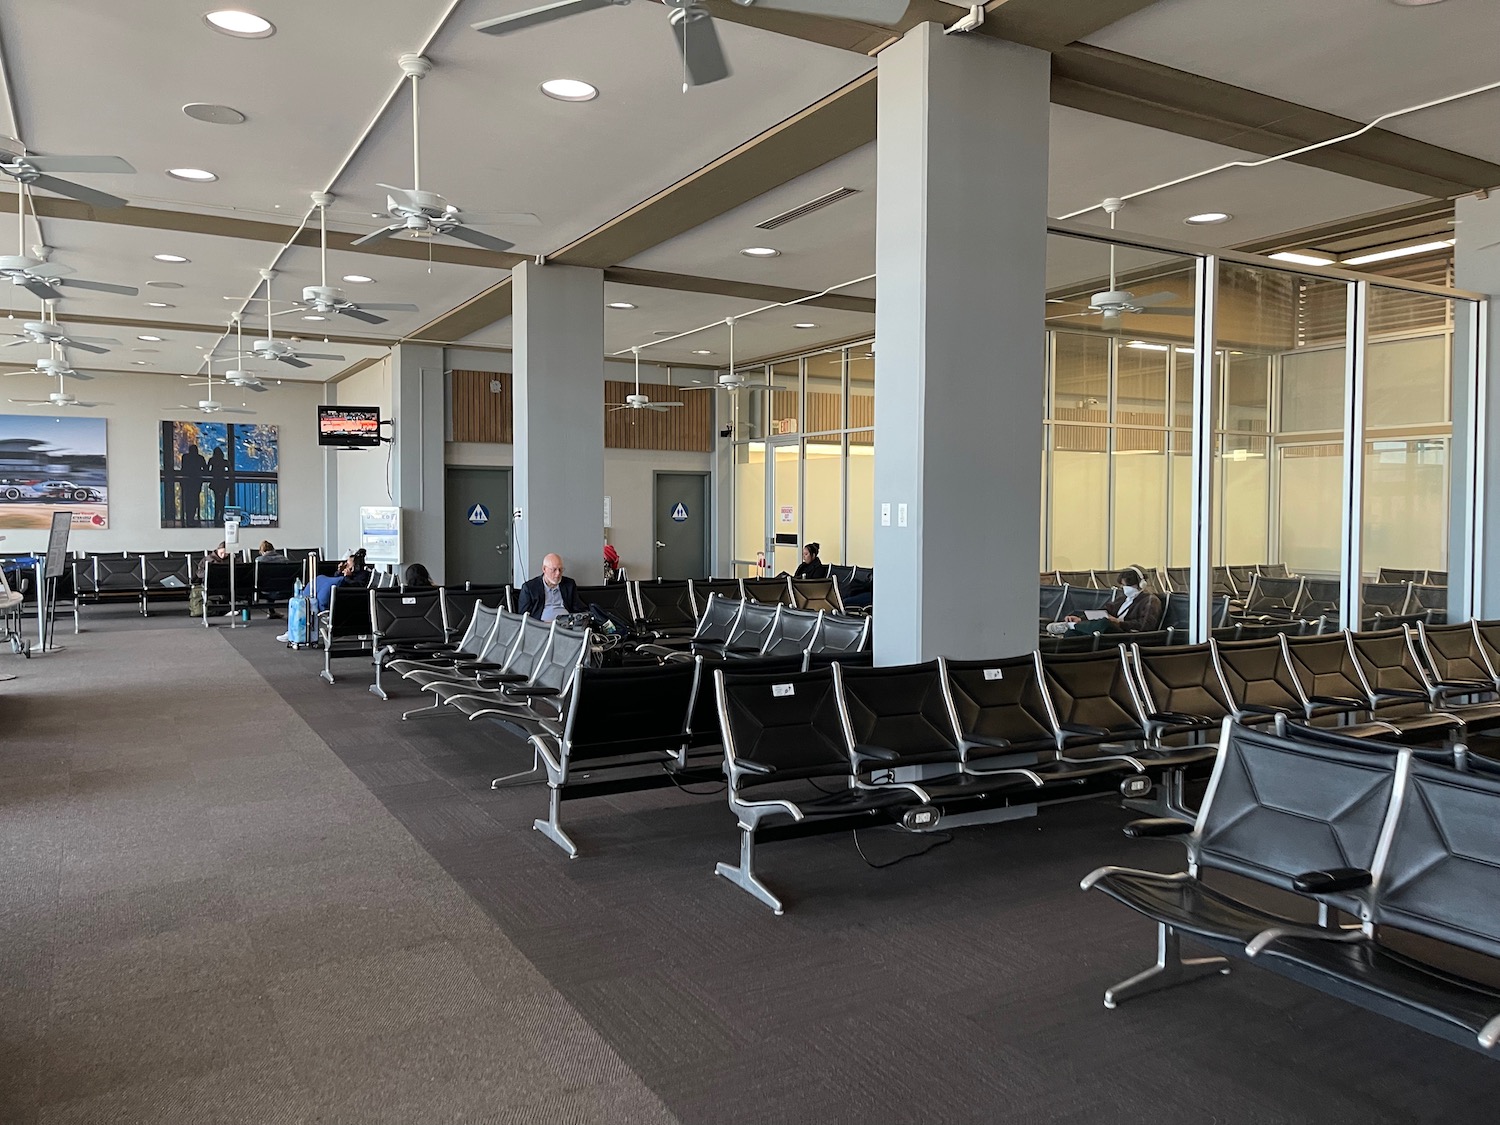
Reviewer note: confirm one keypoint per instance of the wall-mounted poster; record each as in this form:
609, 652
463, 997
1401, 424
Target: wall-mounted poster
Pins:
213, 470
52, 464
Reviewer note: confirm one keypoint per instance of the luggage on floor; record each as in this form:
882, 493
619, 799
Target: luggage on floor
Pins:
301, 621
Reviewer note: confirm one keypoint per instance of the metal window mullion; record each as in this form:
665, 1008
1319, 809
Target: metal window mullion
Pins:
1354, 454
1200, 574
1111, 402
1478, 462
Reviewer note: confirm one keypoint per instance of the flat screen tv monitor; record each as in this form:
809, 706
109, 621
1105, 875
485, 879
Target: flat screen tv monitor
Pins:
349, 427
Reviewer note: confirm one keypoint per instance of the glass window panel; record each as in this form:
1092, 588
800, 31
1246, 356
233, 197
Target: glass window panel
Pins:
1180, 547
1140, 500
823, 488
1141, 383
1079, 497
1080, 378
1244, 477
1182, 387
1406, 504
786, 398
749, 499
825, 392
861, 387
1309, 508
786, 510
1246, 399
751, 410
1312, 391
860, 550
1406, 381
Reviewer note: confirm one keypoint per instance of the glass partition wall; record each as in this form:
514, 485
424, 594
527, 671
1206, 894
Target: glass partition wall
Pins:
1306, 367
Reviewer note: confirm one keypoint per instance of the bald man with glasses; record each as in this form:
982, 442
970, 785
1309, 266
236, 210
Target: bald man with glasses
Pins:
550, 594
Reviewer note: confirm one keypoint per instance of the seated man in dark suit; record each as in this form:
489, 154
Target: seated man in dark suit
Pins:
550, 595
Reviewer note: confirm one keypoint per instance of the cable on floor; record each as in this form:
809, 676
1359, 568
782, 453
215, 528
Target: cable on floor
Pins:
940, 838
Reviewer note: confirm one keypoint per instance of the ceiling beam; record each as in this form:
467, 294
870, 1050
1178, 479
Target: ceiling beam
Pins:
1375, 227
212, 329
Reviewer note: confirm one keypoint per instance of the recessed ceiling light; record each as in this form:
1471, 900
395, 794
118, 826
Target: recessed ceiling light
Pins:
314, 316
164, 284
159, 305
619, 305
1398, 252
702, 351
149, 351
175, 258
141, 362
241, 24
150, 339
214, 114
1208, 218
357, 279
569, 90
805, 324
192, 175
1415, 3
760, 252
1298, 258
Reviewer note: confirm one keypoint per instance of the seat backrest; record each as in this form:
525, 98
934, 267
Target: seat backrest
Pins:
1431, 598
1089, 690
1488, 635
1322, 665
525, 653
816, 594
614, 711
1241, 576
1452, 652
1273, 595
1438, 873
478, 629
275, 580
460, 605
769, 591
1278, 807
1078, 599
83, 575
504, 634
1080, 578
1048, 578
349, 614
666, 605
1395, 575
406, 616
1050, 602
789, 721
1272, 570
562, 659
717, 619
1435, 578
1387, 661
795, 632
842, 635
119, 573
1223, 583
1177, 613
155, 569
1320, 598
1388, 598
728, 589
752, 627
998, 699
1181, 680
863, 579
1179, 578
1254, 674
216, 580
903, 709
613, 598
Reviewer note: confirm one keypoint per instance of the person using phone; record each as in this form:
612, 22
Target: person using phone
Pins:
1136, 610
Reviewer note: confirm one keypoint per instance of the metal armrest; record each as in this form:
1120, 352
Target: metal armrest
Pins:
1338, 701
988, 740
530, 690
1083, 728
1262, 709
759, 768
1400, 693
879, 753
1180, 718
1156, 827
1333, 880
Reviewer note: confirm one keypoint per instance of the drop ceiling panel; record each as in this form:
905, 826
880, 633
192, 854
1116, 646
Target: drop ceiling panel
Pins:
1356, 58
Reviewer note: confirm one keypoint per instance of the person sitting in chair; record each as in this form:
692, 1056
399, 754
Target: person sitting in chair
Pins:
1136, 610
550, 595
812, 566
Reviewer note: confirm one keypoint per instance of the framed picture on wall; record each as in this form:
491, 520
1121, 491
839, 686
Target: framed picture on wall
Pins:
213, 470
51, 464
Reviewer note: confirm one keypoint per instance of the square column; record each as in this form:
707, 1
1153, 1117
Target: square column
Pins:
417, 474
559, 415
1474, 535
961, 259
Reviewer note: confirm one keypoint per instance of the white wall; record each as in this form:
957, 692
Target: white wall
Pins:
133, 436
363, 478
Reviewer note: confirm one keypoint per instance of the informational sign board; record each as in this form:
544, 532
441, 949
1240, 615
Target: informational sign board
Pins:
679, 512
788, 513
57, 544
607, 522
231, 533
380, 535
479, 515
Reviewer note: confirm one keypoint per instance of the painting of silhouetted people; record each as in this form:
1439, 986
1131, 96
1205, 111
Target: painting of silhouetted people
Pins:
214, 470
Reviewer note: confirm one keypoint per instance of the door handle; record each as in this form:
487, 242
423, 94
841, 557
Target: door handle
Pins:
659, 543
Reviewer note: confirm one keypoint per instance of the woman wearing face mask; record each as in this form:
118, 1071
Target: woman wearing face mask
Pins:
1136, 610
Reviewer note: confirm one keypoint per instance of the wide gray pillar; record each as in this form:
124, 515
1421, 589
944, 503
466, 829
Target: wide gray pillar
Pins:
961, 257
1474, 538
558, 314
417, 403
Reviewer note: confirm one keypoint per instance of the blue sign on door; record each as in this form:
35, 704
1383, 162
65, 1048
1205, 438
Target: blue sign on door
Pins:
479, 515
679, 512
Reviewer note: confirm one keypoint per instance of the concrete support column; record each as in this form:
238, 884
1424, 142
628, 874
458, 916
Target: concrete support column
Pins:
1474, 536
961, 257
417, 475
559, 415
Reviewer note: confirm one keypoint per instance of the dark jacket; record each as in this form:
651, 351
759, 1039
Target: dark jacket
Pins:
815, 569
534, 597
1143, 615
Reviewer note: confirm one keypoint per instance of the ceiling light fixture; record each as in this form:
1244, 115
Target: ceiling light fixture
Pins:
165, 284
357, 279
141, 362
159, 305
214, 114
805, 324
240, 24
760, 252
1415, 3
569, 90
1298, 258
1398, 252
314, 316
150, 339
192, 175
1208, 218
702, 351
176, 259
619, 305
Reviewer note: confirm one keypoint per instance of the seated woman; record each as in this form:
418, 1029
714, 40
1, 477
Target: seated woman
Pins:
812, 566
415, 577
1136, 610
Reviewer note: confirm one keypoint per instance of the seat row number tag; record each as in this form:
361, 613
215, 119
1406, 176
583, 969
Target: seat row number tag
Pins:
783, 689
994, 673
408, 601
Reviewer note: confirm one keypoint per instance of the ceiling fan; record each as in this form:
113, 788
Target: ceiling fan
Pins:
37, 171
425, 214
734, 381
693, 26
241, 380
53, 366
210, 405
278, 351
47, 332
59, 397
638, 401
39, 276
1114, 302
324, 298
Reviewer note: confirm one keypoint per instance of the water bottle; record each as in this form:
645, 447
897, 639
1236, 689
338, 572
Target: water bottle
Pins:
297, 588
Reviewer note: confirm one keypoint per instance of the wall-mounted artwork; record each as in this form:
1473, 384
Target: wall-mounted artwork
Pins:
213, 470
52, 464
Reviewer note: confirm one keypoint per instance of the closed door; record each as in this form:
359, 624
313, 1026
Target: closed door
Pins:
478, 525
681, 525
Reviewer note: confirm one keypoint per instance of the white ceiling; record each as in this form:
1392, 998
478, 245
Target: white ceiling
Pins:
1356, 58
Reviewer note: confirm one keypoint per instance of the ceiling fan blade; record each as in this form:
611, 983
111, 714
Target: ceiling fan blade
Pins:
90, 405
100, 286
94, 348
91, 196
42, 290
33, 401
867, 11
292, 361
479, 238
360, 314
81, 376
258, 388
698, 44
658, 407
49, 270
17, 342
667, 405
93, 339
318, 355
388, 307
232, 410
533, 17
71, 164
376, 235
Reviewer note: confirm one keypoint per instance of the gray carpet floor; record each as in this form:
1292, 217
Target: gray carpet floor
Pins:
253, 896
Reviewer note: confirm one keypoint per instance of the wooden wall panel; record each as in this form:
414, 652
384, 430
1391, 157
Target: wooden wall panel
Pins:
687, 428
479, 414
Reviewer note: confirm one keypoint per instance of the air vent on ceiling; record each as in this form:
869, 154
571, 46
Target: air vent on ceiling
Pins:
807, 208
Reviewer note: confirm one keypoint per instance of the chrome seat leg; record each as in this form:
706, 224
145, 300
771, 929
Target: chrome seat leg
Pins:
1171, 969
743, 874
551, 829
